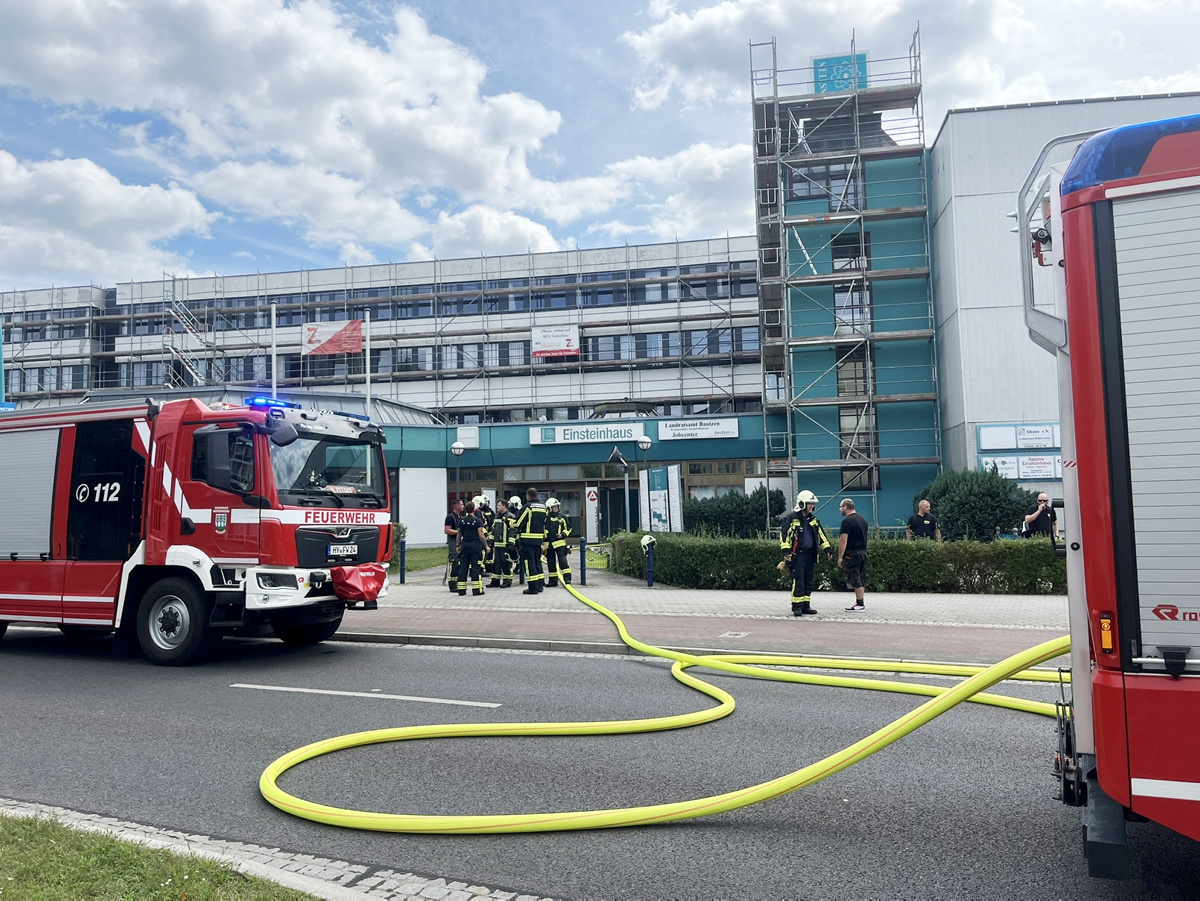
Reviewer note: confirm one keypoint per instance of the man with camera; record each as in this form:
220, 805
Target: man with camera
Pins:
1040, 521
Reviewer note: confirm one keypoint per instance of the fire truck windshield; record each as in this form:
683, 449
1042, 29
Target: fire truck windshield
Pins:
348, 472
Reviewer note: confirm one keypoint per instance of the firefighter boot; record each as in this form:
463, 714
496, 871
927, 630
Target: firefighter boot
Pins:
567, 578
476, 591
805, 609
495, 583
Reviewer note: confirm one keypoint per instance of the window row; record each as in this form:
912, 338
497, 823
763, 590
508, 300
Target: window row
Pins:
44, 379
224, 319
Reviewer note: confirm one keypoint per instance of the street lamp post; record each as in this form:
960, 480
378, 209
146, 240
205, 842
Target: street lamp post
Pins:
643, 444
457, 449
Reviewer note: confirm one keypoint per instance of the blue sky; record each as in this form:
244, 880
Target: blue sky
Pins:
229, 136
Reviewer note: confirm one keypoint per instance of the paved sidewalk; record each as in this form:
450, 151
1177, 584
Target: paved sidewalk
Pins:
959, 628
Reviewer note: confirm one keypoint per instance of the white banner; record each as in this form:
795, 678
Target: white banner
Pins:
554, 341
685, 429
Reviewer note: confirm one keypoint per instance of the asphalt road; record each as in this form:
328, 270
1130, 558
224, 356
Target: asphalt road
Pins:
961, 809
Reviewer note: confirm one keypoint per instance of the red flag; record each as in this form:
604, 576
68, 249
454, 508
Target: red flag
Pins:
332, 338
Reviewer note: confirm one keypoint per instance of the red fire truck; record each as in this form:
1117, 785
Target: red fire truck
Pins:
1119, 229
181, 522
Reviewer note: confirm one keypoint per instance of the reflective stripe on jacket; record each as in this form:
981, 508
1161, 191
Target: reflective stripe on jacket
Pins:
531, 524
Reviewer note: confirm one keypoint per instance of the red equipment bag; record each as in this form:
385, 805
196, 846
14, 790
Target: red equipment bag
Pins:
359, 583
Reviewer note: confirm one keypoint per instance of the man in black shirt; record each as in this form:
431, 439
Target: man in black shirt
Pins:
451, 528
852, 552
1041, 520
924, 524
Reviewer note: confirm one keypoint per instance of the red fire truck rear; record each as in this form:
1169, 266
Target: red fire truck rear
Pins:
182, 522
1119, 228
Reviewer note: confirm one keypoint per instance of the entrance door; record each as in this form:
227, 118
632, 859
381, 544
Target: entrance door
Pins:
104, 520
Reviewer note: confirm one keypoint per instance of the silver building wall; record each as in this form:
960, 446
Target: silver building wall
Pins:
990, 371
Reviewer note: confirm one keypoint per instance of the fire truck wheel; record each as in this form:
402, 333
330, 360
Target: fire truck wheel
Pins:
171, 623
307, 634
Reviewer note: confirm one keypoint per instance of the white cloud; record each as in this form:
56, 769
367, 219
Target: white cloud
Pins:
974, 53
482, 229
701, 191
75, 222
333, 209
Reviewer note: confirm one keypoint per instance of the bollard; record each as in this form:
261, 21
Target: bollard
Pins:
582, 561
403, 560
650, 566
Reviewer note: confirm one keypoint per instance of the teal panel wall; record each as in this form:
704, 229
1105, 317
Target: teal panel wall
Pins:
907, 429
903, 367
810, 311
894, 182
900, 305
897, 244
813, 373
815, 434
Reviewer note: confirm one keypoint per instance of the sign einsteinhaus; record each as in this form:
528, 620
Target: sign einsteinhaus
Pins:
585, 434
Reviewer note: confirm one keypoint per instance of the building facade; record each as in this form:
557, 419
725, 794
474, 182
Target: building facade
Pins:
842, 212
867, 335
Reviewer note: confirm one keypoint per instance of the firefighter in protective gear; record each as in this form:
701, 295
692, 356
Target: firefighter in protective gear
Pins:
508, 553
499, 564
803, 538
558, 530
483, 511
472, 545
531, 532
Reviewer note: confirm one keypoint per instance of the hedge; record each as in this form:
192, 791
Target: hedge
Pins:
894, 565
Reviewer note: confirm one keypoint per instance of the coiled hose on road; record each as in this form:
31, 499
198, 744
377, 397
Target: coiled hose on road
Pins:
942, 699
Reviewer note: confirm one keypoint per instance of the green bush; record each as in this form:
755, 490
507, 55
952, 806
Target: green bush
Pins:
976, 505
735, 514
894, 565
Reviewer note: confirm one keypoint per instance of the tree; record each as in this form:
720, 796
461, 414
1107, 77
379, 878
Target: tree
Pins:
978, 505
734, 514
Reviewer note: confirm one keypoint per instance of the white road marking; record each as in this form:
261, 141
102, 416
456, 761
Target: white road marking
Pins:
363, 694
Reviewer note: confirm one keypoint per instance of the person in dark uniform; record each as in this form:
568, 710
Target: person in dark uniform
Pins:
531, 532
514, 508
472, 545
558, 530
923, 524
452, 527
498, 561
852, 552
803, 539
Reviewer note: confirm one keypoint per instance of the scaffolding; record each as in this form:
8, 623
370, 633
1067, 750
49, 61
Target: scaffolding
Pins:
847, 320
671, 325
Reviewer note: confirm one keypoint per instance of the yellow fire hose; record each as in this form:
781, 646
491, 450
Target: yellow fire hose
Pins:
942, 699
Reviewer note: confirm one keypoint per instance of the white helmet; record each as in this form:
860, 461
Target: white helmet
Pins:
479, 500
514, 501
552, 502
804, 497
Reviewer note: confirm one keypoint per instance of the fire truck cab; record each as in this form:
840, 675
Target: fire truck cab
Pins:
179, 523
1119, 230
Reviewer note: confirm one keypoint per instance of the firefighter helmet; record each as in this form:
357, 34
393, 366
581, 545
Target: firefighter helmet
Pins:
479, 500
514, 502
804, 497
552, 502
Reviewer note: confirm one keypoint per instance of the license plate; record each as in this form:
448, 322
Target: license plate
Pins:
343, 550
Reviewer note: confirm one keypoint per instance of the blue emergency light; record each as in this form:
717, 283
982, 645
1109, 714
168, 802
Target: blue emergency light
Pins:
270, 402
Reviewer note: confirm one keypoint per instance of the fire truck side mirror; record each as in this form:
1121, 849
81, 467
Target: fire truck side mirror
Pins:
284, 435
